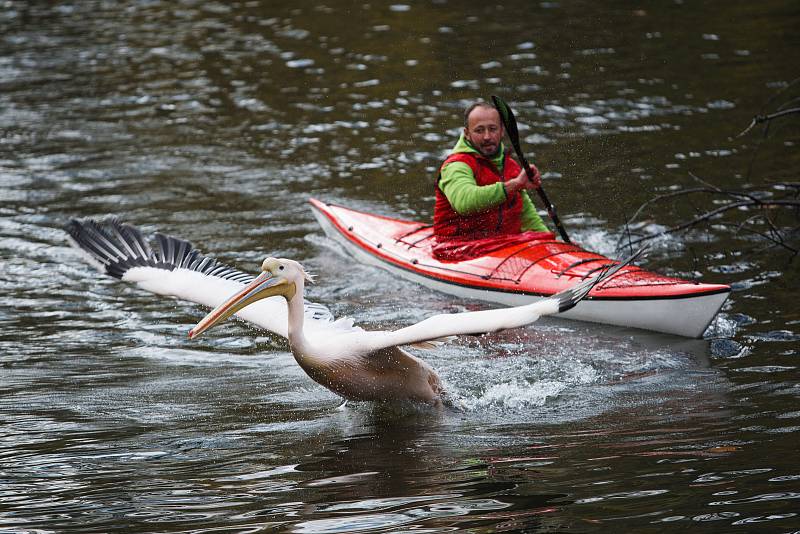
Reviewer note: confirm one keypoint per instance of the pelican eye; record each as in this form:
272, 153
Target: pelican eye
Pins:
280, 267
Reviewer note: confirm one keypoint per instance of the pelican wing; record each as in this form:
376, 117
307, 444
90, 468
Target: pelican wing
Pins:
438, 327
173, 267
480, 322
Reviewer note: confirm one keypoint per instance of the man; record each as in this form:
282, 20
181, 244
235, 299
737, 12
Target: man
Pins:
481, 192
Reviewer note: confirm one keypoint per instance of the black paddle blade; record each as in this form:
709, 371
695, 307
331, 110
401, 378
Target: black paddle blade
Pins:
510, 123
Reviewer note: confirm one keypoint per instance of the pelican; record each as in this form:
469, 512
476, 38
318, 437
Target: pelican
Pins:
354, 363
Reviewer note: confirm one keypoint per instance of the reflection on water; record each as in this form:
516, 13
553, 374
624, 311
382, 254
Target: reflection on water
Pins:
216, 121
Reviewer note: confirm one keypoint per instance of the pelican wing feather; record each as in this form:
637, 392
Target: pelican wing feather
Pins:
173, 267
438, 328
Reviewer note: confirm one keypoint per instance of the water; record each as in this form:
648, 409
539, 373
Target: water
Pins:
216, 121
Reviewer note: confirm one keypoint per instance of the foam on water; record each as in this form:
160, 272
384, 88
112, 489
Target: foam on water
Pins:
517, 395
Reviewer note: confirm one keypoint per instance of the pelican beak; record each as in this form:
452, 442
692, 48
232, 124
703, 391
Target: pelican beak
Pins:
265, 285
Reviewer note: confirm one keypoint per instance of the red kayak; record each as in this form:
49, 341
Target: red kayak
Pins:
524, 272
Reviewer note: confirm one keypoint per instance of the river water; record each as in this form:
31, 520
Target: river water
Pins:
215, 121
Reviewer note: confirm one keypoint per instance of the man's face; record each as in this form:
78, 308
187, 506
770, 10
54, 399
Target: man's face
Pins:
484, 130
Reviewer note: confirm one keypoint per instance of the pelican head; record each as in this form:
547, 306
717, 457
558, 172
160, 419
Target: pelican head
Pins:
278, 276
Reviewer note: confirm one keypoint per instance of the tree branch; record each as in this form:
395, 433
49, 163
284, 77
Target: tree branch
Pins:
758, 119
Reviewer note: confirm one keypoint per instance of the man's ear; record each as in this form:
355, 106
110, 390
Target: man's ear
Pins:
466, 131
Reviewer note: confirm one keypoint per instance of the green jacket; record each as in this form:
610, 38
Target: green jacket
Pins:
458, 185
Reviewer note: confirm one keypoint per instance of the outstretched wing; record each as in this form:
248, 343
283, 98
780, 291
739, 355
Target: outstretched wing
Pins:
173, 267
480, 322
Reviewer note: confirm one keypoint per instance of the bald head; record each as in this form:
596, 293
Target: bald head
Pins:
472, 107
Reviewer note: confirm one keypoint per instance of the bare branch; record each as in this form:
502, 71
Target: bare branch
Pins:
758, 119
700, 218
769, 210
704, 217
774, 235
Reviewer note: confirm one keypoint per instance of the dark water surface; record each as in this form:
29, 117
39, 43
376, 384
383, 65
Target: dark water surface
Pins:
215, 121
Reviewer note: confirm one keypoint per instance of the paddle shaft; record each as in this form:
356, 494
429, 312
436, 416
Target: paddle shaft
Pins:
510, 124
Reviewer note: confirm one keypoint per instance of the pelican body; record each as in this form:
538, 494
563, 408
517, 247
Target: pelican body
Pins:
353, 363
342, 360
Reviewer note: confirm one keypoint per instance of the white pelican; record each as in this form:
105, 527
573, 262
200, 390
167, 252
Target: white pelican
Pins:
352, 362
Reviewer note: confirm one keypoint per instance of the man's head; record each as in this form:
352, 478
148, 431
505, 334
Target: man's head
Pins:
483, 128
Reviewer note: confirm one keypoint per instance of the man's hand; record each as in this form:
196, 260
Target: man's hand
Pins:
522, 182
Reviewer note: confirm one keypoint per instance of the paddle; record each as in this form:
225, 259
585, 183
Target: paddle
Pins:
510, 123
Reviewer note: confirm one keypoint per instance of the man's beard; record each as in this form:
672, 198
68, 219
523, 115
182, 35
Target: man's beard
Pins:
488, 150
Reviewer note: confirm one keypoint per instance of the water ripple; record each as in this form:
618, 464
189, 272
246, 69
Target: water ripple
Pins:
215, 121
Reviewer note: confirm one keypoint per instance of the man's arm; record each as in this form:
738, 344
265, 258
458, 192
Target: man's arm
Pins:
458, 185
530, 217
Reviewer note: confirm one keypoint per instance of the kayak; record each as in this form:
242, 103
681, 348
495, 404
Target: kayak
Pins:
525, 272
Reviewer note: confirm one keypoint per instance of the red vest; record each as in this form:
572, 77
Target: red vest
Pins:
505, 218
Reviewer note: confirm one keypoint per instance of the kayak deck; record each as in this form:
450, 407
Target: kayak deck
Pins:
521, 273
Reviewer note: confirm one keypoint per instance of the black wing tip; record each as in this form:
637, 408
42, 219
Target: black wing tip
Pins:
71, 227
119, 247
569, 298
